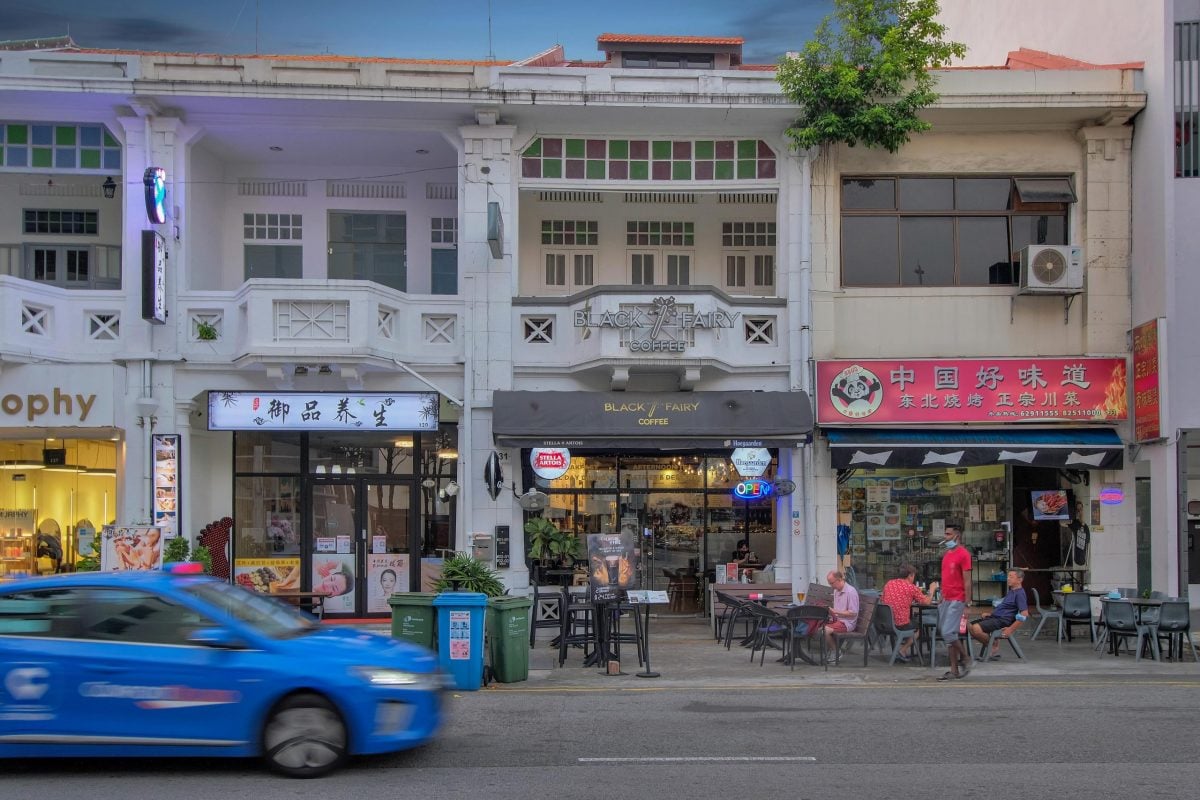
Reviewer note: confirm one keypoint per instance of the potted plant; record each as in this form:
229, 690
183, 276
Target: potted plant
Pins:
549, 544
179, 549
462, 572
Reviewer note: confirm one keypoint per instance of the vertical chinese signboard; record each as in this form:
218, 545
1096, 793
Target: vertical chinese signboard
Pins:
1147, 352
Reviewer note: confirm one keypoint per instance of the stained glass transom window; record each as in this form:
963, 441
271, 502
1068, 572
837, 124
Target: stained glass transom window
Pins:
36, 145
648, 159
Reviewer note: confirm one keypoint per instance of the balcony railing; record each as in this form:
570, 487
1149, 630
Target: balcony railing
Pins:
56, 324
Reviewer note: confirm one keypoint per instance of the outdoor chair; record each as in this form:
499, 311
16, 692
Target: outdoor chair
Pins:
768, 624
741, 613
619, 633
1121, 622
931, 634
1045, 614
862, 629
1175, 625
885, 628
547, 610
985, 650
1077, 610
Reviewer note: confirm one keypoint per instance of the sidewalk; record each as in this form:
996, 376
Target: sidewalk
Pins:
684, 653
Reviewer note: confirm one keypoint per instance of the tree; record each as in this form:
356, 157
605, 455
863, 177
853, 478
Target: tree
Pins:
864, 76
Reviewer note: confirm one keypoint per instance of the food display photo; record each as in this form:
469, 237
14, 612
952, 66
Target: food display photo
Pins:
1051, 504
267, 575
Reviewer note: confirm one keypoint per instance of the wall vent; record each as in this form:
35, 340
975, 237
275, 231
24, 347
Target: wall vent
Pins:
746, 198
254, 187
368, 190
570, 197
660, 198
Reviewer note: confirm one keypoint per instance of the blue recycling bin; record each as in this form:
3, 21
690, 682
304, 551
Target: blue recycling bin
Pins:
460, 637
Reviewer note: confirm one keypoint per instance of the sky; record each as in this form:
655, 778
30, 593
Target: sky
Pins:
441, 29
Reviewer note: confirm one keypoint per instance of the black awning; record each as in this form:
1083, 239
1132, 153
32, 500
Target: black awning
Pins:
1071, 448
651, 420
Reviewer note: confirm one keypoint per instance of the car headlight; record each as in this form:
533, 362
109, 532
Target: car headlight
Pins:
381, 676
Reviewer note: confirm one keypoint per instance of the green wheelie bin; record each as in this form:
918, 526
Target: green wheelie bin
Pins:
508, 637
414, 618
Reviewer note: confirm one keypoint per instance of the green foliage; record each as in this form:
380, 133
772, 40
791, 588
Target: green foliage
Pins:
179, 549
546, 541
864, 77
466, 573
206, 332
88, 563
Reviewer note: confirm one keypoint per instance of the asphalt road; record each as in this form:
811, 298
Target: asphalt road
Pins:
1053, 739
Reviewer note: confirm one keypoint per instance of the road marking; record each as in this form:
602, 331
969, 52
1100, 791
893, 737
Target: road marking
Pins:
659, 759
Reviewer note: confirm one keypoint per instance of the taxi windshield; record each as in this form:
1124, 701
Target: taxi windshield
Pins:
268, 617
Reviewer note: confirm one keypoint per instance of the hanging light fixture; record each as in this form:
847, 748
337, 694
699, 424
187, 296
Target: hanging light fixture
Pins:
110, 188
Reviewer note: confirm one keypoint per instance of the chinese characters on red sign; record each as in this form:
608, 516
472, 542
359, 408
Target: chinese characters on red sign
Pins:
995, 390
1146, 420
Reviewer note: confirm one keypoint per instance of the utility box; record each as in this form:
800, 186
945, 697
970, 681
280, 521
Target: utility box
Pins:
482, 546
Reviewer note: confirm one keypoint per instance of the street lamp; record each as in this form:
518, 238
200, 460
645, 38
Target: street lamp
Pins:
110, 188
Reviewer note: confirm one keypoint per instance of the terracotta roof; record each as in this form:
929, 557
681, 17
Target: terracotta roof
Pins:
637, 38
320, 58
1025, 58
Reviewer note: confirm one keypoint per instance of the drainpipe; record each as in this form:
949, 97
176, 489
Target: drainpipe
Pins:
466, 490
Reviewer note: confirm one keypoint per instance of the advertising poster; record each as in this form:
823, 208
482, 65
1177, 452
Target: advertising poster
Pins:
166, 484
1050, 504
130, 548
387, 574
333, 575
610, 559
460, 635
267, 575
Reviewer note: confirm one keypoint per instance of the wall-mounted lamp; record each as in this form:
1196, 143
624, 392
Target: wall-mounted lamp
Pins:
450, 491
110, 188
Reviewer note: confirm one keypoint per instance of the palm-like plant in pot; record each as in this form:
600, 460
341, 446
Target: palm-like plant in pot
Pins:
548, 544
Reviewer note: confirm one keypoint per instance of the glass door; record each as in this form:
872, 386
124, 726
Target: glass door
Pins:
392, 557
336, 545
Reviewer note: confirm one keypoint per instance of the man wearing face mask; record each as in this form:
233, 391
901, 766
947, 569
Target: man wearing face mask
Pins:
956, 577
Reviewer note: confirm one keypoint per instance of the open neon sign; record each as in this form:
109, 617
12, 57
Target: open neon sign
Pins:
754, 489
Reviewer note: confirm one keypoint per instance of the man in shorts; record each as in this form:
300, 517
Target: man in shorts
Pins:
843, 612
956, 577
1011, 610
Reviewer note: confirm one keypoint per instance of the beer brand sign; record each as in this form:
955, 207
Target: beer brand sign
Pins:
661, 326
992, 390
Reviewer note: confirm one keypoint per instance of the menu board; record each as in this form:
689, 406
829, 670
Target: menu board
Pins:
166, 484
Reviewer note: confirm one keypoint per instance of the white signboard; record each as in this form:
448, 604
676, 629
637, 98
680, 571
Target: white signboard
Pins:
550, 462
751, 462
166, 483
322, 411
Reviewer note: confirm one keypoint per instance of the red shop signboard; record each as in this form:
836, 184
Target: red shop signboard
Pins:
1147, 417
918, 391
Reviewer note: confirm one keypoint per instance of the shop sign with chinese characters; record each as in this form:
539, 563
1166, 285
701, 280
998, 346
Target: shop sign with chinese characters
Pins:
1147, 419
322, 411
981, 390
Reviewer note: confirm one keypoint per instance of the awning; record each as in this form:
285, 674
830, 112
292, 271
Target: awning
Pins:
1074, 448
651, 420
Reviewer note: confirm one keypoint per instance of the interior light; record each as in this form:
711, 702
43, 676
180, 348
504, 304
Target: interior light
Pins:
21, 465
447, 454
403, 443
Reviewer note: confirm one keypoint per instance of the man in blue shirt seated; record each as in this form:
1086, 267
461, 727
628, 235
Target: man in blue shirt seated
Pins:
1007, 615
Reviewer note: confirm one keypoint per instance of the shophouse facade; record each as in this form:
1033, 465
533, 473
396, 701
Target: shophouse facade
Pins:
1163, 198
609, 275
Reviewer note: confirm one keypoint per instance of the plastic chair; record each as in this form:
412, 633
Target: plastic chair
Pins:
1175, 624
1120, 619
727, 615
1077, 610
998, 635
885, 627
1044, 614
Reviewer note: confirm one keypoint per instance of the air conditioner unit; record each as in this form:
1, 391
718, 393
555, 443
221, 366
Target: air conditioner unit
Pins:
1051, 269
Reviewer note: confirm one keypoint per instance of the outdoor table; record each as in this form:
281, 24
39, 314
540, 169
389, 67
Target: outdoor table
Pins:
312, 601
917, 619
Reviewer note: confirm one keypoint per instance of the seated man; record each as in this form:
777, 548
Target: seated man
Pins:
900, 594
1008, 614
844, 611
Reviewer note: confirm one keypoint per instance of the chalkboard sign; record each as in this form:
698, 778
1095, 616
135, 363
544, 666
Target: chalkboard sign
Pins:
502, 557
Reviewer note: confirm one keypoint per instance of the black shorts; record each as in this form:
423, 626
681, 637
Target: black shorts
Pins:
989, 624
908, 626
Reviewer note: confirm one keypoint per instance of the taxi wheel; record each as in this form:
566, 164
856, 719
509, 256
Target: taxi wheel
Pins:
304, 737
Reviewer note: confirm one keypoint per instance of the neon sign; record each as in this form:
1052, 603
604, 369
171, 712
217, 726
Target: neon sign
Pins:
154, 181
754, 489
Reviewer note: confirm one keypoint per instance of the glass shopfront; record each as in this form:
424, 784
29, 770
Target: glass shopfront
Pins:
683, 506
352, 515
55, 494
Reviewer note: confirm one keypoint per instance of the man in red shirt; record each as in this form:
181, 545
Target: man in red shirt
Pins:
900, 594
956, 577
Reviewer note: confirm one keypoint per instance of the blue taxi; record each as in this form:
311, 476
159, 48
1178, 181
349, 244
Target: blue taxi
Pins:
165, 664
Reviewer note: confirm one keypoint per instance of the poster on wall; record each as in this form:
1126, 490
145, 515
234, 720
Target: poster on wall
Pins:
1050, 504
333, 575
166, 484
267, 575
130, 548
610, 559
387, 573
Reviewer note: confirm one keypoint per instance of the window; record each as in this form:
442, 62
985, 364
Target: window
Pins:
749, 256
443, 230
667, 60
679, 269
61, 221
642, 269
946, 231
1187, 99
368, 247
272, 226
273, 261
570, 232
59, 147
569, 270
443, 266
47, 613
73, 267
654, 233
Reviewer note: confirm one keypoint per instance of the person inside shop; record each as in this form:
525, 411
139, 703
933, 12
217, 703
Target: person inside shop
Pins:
899, 594
844, 612
742, 554
1009, 613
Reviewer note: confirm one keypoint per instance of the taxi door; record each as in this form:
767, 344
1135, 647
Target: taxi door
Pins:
37, 669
